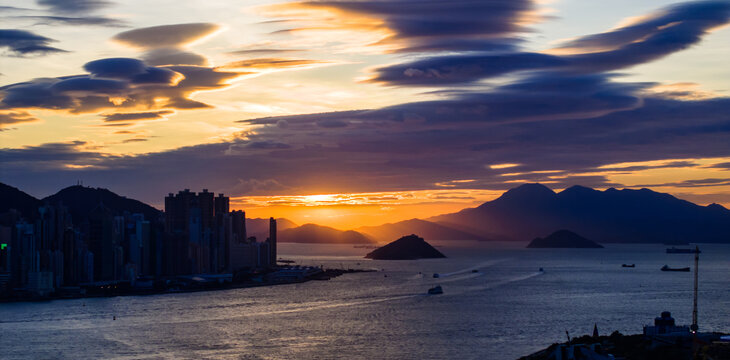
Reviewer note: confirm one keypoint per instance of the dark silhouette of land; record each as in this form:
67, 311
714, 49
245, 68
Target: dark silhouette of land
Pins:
409, 247
427, 229
610, 216
638, 347
259, 228
563, 239
14, 198
524, 212
81, 200
312, 233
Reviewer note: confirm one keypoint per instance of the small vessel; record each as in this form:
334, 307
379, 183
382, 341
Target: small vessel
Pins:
628, 265
435, 290
667, 268
435, 275
541, 270
475, 271
674, 250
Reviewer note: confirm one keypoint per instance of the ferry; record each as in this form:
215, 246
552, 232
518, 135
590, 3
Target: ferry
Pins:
628, 265
667, 268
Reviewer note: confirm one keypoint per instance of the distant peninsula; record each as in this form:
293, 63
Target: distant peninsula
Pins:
409, 247
563, 239
312, 233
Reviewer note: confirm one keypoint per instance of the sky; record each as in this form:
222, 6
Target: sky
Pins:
349, 113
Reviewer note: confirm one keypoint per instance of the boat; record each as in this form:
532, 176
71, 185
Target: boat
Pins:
667, 268
541, 270
628, 265
435, 275
674, 250
475, 271
435, 290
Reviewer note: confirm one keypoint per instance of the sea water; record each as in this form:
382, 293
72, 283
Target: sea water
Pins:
504, 310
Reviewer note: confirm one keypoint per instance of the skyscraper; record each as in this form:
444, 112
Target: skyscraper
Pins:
197, 227
272, 242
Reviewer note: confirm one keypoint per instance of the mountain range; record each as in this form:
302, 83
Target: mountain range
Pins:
610, 216
520, 214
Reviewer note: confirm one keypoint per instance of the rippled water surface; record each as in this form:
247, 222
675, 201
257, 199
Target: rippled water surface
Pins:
504, 310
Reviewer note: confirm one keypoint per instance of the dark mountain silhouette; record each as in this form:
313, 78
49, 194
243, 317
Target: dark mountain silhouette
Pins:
627, 216
311, 233
563, 239
259, 228
409, 247
81, 200
427, 229
13, 198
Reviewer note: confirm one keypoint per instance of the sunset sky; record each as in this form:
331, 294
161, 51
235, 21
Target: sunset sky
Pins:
350, 113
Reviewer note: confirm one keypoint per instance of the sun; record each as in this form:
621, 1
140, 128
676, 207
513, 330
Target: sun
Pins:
318, 199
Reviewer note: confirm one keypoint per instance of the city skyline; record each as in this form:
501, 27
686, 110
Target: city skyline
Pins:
349, 113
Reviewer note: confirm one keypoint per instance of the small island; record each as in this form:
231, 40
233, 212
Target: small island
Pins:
409, 247
563, 239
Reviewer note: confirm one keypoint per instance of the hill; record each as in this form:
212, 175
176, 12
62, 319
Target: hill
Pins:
311, 233
563, 239
13, 198
621, 216
259, 227
409, 247
427, 229
81, 200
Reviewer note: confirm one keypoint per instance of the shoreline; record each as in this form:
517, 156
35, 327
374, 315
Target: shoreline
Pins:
324, 275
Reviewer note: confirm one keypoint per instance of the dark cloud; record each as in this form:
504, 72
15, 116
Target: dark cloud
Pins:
267, 144
134, 140
457, 69
115, 67
409, 147
17, 117
701, 16
74, 21
164, 45
724, 166
74, 6
542, 97
692, 183
436, 25
21, 43
331, 123
13, 8
151, 115
659, 35
117, 84
165, 36
159, 57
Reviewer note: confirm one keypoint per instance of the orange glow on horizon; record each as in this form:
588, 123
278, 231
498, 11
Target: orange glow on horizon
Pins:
350, 211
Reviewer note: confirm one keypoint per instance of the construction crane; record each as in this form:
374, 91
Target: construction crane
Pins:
694, 326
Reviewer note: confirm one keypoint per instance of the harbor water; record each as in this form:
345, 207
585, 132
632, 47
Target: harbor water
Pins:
496, 304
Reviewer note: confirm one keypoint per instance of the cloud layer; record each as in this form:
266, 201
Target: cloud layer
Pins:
21, 42
430, 25
658, 35
117, 84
